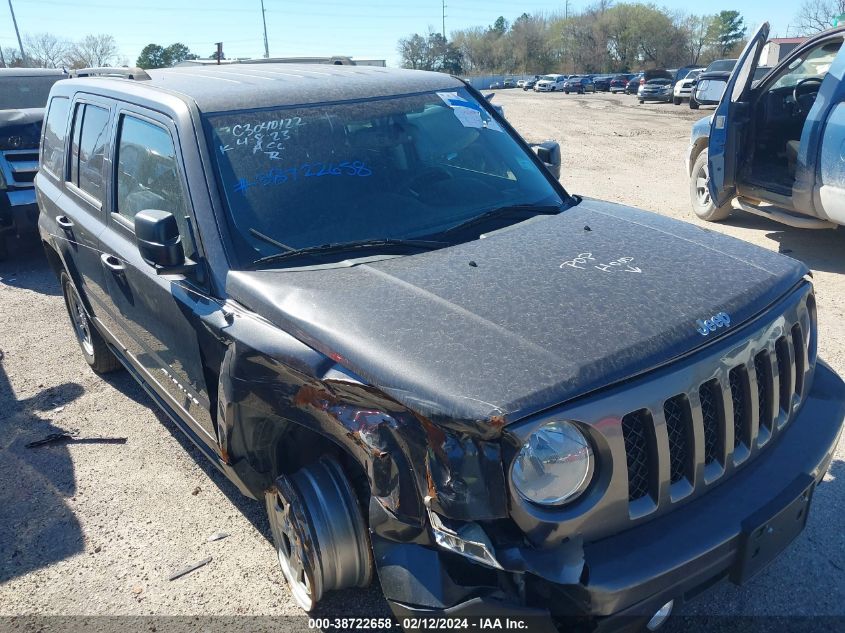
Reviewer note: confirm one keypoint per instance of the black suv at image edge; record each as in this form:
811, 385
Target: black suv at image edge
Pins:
374, 307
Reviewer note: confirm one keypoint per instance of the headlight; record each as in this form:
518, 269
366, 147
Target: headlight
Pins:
554, 466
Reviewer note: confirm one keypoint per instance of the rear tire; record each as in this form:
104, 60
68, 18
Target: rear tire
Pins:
319, 531
693, 104
702, 203
676, 100
97, 353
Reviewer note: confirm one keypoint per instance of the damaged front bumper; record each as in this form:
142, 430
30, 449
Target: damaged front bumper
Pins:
621, 580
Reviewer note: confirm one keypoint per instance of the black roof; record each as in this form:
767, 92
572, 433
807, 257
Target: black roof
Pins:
242, 86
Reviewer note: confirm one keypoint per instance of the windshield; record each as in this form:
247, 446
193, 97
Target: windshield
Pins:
398, 168
25, 92
722, 65
548, 78
813, 64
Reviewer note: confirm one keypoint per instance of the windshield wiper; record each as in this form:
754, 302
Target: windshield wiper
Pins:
389, 244
513, 210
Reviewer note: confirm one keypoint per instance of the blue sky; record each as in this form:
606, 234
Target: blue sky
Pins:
361, 28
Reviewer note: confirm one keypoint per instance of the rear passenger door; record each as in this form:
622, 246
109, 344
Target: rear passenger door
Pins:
155, 315
71, 189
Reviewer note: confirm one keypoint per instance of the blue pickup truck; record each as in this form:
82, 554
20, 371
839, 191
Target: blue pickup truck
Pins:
775, 147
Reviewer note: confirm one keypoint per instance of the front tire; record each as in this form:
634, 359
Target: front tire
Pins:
693, 104
97, 353
676, 100
702, 203
319, 532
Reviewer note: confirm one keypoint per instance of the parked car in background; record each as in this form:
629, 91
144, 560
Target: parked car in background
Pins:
602, 83
656, 90
633, 85
709, 84
530, 83
550, 83
23, 96
509, 82
406, 366
523, 82
619, 83
787, 166
656, 73
580, 85
684, 86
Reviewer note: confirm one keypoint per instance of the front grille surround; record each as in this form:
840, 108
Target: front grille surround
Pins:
699, 387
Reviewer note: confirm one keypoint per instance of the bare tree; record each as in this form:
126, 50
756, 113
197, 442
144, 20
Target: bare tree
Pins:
817, 15
46, 50
11, 57
93, 51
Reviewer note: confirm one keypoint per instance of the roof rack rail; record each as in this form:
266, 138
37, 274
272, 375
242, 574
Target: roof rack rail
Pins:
106, 71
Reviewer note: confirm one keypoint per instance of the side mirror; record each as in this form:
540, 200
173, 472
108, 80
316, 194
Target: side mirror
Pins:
159, 242
549, 153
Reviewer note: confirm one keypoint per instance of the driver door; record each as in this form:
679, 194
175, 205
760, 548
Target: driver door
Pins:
730, 121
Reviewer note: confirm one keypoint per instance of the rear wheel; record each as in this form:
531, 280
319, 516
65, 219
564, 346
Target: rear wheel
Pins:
702, 203
319, 532
676, 100
94, 348
693, 104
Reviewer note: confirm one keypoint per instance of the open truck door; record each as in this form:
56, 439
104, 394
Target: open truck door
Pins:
731, 119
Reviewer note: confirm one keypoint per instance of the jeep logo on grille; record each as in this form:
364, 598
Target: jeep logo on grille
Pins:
712, 324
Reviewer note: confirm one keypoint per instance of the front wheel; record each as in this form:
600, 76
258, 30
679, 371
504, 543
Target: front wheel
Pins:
693, 104
319, 532
702, 203
676, 100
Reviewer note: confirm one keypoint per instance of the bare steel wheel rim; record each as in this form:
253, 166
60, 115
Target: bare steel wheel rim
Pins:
702, 193
79, 318
320, 535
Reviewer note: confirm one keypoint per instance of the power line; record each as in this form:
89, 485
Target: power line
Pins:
264, 21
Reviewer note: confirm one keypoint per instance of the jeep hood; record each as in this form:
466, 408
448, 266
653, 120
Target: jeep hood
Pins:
489, 331
25, 123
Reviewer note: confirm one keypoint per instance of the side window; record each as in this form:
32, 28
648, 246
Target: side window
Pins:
53, 148
148, 174
90, 138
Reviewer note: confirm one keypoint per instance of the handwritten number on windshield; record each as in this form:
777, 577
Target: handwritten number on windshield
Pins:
276, 176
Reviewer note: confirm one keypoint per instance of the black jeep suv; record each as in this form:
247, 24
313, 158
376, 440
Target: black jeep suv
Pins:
372, 306
23, 95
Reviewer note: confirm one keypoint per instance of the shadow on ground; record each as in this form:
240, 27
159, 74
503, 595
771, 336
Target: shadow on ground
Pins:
36, 526
820, 249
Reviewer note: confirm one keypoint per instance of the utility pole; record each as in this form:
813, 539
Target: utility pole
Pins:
18, 33
444, 18
219, 52
264, 20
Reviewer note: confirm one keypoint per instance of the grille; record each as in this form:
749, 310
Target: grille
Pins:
634, 430
763, 373
784, 373
708, 394
778, 365
737, 380
677, 415
23, 165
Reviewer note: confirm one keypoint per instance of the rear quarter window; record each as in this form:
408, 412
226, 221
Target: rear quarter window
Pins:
55, 129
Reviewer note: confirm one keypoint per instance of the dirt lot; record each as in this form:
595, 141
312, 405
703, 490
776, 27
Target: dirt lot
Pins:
96, 527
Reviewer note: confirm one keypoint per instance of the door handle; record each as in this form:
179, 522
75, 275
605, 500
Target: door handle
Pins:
64, 222
112, 263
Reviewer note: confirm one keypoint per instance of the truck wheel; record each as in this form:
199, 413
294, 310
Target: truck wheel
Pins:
319, 532
676, 100
702, 203
693, 104
94, 348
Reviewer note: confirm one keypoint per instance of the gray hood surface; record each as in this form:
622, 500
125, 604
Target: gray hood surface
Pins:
544, 315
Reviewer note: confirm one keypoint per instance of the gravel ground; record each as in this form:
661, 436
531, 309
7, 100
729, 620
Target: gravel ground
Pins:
96, 527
